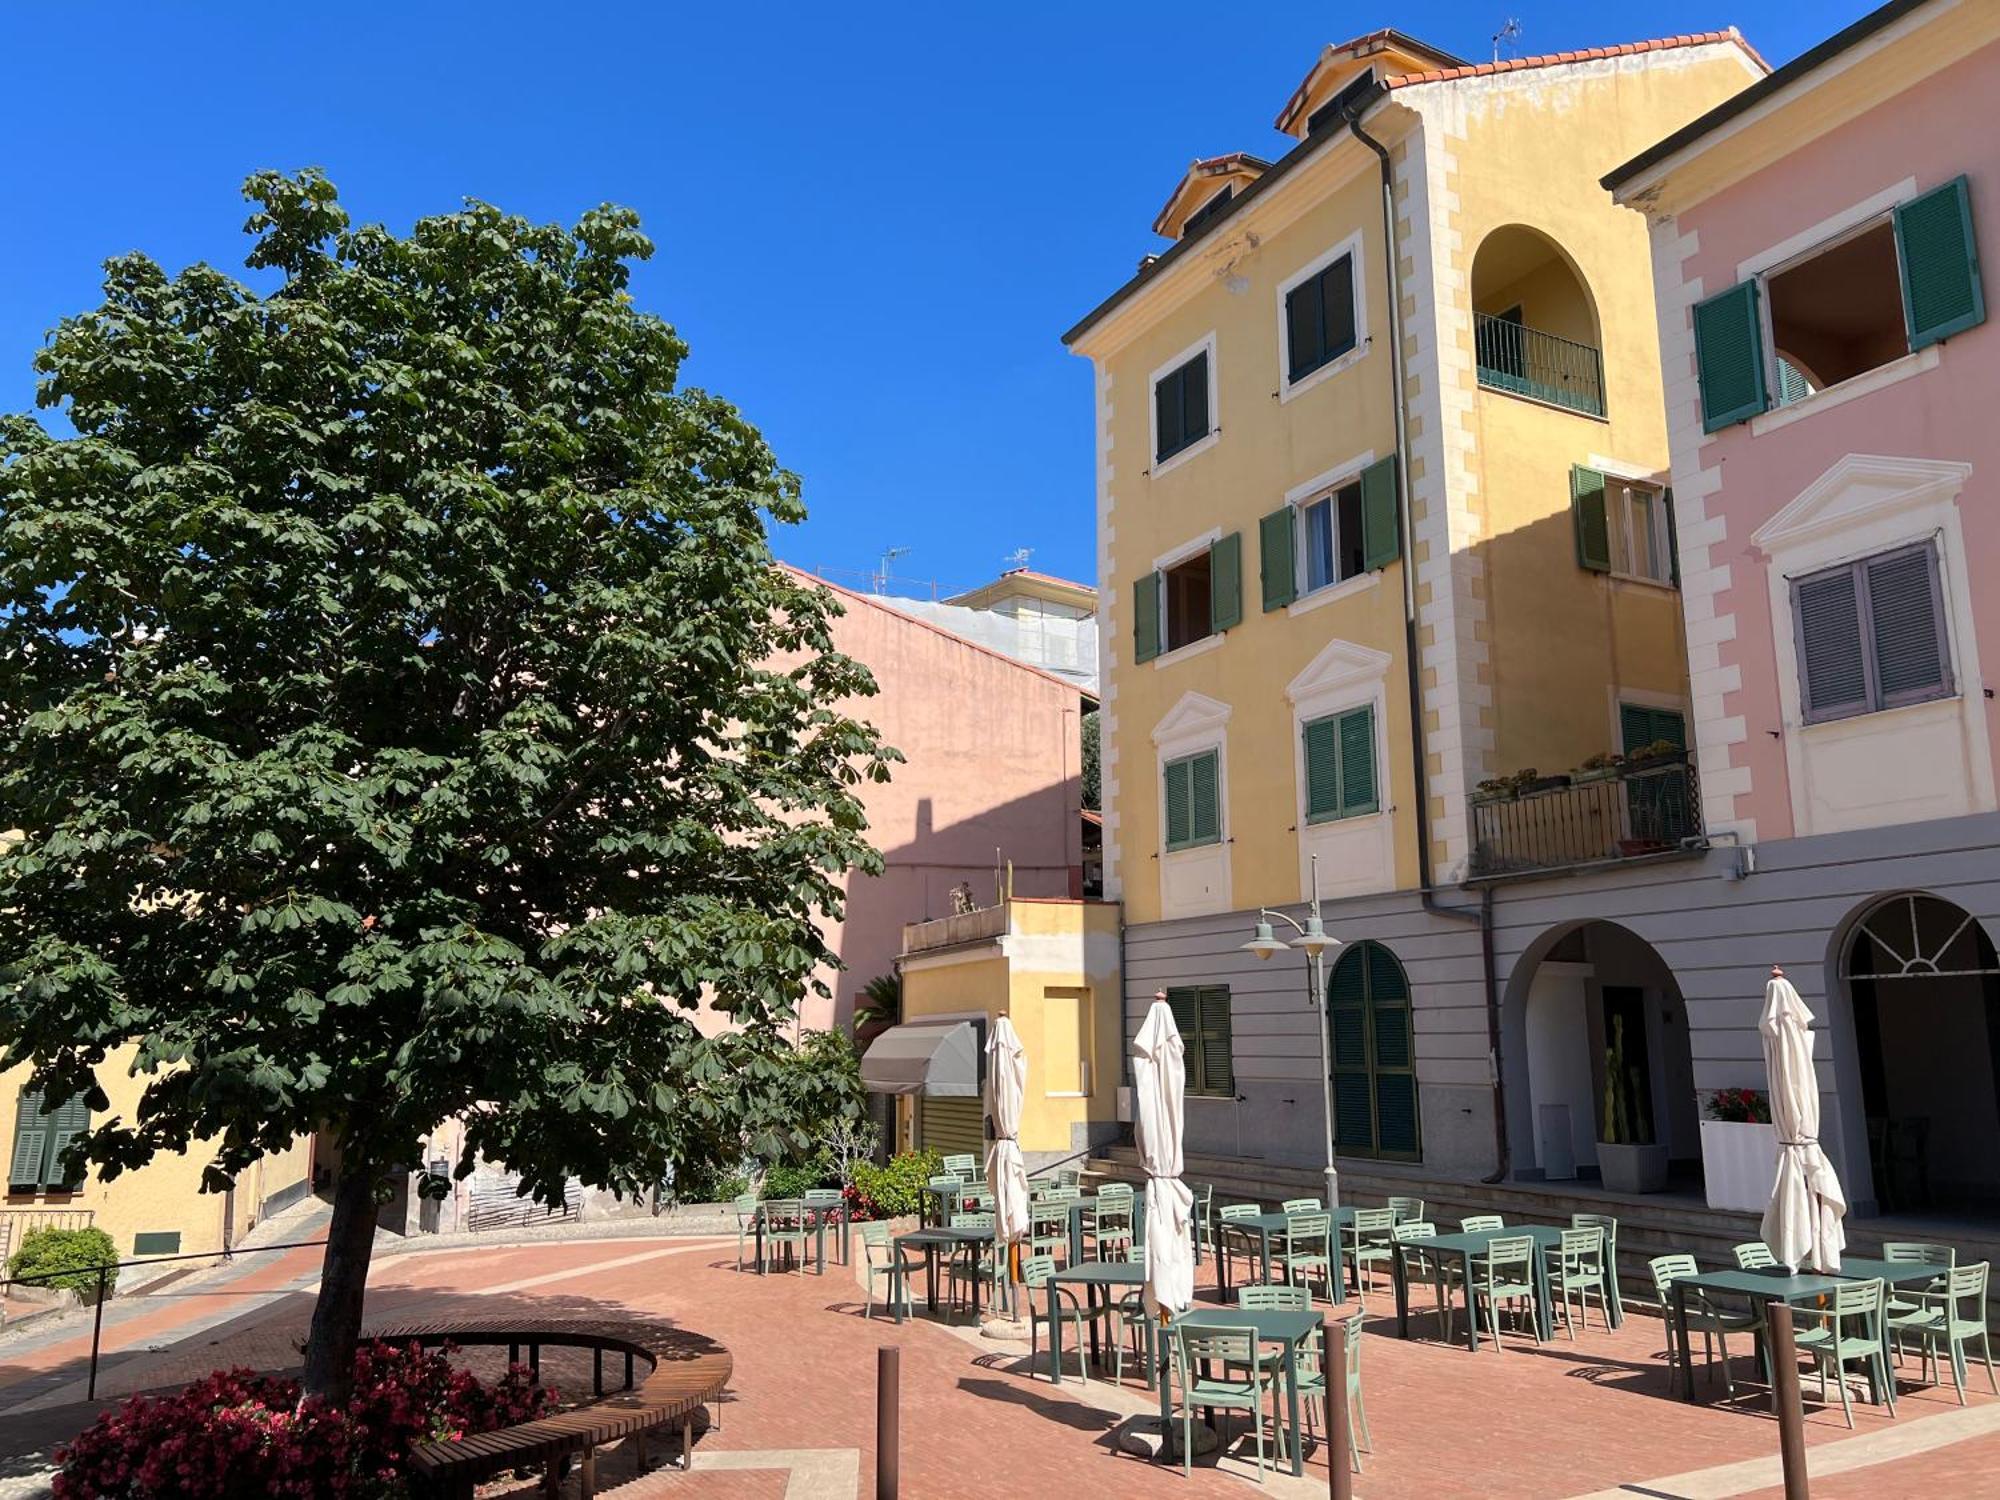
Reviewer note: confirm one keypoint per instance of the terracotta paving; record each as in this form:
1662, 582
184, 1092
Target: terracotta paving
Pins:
1567, 1419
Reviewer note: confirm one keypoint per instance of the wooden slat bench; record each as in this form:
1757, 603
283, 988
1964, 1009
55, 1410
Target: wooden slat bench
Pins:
684, 1371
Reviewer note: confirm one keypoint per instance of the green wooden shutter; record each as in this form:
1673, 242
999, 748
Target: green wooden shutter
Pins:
1322, 752
1381, 533
1225, 583
1590, 519
1179, 804
1673, 536
1729, 357
1205, 798
31, 1143
1392, 1054
1218, 1067
1277, 567
1357, 762
65, 1125
1942, 294
1194, 399
1304, 316
1145, 617
1347, 1041
1640, 726
1167, 437
1187, 1021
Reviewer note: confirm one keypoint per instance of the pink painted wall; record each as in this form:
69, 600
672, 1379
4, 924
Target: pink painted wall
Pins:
991, 762
1932, 134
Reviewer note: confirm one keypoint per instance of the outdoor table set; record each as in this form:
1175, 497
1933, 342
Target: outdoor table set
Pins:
818, 1216
931, 1241
1079, 1207
1264, 1226
1467, 1248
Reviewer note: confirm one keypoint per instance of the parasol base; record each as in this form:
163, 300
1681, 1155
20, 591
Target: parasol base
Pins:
1141, 1436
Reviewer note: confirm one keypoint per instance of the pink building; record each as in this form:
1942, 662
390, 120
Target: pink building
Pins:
991, 778
1830, 376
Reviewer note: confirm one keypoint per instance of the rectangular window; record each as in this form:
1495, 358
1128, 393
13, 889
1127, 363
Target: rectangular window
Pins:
1340, 766
1194, 800
1871, 635
1838, 312
1198, 596
1639, 530
1186, 601
1330, 538
1202, 1015
1180, 408
1319, 319
40, 1137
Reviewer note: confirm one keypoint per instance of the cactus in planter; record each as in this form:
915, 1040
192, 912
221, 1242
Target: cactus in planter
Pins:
1622, 1127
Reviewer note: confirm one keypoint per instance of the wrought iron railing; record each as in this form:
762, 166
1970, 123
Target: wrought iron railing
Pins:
1528, 362
1633, 812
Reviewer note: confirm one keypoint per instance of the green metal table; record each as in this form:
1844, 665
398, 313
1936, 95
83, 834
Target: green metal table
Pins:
818, 1221
1093, 1276
1468, 1247
1266, 1225
931, 1241
1289, 1329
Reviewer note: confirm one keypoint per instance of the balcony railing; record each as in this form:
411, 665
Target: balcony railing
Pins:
1528, 362
1636, 811
963, 927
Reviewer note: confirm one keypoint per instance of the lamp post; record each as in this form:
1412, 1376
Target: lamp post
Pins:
1314, 941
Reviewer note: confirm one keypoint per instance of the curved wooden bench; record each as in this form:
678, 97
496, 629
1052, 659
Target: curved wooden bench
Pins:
684, 1371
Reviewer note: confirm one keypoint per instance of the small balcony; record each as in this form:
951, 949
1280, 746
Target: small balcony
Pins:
1525, 361
1642, 809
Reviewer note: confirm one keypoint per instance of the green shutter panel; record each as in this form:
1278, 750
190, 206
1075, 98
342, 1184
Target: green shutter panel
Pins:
1205, 798
68, 1122
1187, 1021
1942, 294
1145, 617
1276, 566
1303, 318
1322, 752
1357, 762
1347, 1039
1194, 399
1179, 824
1167, 417
1635, 726
1381, 533
1729, 357
1225, 582
1218, 1071
1673, 537
30, 1145
1590, 519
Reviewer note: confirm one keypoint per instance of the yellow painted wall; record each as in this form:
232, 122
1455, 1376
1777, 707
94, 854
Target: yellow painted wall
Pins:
164, 1195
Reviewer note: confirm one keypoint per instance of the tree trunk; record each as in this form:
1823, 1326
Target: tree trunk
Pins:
343, 1283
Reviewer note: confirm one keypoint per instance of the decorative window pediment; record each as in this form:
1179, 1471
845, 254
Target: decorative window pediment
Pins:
1196, 715
1340, 664
1861, 487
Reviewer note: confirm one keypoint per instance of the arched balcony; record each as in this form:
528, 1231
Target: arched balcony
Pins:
1535, 327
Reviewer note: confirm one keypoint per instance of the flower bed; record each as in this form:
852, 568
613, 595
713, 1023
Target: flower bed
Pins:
239, 1434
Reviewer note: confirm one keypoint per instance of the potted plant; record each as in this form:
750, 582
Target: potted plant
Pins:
1739, 1149
1659, 752
1603, 766
1627, 1157
1494, 789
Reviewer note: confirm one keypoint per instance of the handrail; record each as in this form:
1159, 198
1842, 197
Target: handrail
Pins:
1542, 366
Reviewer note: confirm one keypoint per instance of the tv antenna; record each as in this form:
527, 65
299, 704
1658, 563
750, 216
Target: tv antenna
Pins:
1509, 32
1018, 558
889, 555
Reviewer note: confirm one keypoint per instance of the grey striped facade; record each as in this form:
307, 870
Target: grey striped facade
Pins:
1719, 937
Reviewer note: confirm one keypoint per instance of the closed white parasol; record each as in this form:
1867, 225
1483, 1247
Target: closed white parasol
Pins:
1802, 1223
1159, 1086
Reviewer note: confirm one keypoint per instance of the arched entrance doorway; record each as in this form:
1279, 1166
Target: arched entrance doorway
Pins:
1924, 985
1576, 990
1374, 1064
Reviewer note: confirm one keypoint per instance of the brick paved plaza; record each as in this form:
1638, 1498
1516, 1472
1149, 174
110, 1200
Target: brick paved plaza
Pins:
1568, 1419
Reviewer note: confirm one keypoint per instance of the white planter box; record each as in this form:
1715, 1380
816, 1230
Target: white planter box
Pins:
1739, 1162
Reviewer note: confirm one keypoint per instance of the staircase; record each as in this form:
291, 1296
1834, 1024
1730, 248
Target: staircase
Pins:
1649, 1224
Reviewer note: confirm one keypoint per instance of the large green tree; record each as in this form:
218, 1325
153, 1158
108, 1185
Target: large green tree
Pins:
403, 717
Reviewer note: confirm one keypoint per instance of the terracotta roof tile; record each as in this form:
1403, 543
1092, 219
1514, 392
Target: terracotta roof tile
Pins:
1588, 54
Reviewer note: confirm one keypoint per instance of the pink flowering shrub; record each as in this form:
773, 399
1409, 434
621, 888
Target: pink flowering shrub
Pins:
236, 1435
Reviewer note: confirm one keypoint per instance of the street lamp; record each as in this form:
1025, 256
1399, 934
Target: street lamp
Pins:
1315, 942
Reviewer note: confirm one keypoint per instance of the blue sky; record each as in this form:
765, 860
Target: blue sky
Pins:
874, 222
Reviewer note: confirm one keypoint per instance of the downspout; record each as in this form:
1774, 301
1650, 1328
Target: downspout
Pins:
1352, 112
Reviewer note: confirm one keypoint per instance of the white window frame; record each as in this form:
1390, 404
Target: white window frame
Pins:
1298, 497
1618, 471
1621, 533
1173, 557
1352, 245
1159, 466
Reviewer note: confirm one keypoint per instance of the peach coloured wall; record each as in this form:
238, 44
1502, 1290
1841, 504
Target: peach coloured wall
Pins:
1932, 133
990, 763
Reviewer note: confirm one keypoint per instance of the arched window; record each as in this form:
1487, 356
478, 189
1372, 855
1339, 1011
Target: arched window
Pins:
1374, 1061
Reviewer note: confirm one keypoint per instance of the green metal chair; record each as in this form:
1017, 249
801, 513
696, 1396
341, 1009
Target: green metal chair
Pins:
1935, 1321
1203, 1218
1060, 1193
785, 1231
878, 1256
1260, 1297
1312, 1382
1128, 1316
1916, 1253
1109, 1222
948, 1192
826, 1205
1849, 1330
961, 1164
974, 1262
1301, 1206
1035, 1273
1505, 1273
1754, 1255
1305, 1250
1705, 1317
1480, 1223
1609, 1225
1218, 1368
1581, 1270
1069, 1177
1410, 1209
1422, 1268
1048, 1229
1369, 1239
746, 1223
1233, 1240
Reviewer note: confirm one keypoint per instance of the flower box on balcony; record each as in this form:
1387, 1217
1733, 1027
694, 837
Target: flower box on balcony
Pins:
1738, 1163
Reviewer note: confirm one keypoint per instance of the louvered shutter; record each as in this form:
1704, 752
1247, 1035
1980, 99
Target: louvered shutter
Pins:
1145, 617
1729, 357
1381, 533
1204, 798
1225, 583
1194, 399
1635, 727
1322, 754
1347, 1040
1337, 308
1187, 1021
1911, 663
1277, 566
30, 1145
1590, 519
1942, 294
1827, 623
1167, 436
1303, 317
1218, 1070
1179, 804
68, 1122
1357, 762
1673, 537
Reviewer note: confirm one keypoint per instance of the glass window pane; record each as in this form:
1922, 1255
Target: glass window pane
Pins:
1319, 544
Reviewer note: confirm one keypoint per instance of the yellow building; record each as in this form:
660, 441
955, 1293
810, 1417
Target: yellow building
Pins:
1051, 966
159, 1209
1380, 438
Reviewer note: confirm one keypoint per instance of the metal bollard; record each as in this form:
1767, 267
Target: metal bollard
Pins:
1333, 1367
1785, 1397
888, 1422
96, 1334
